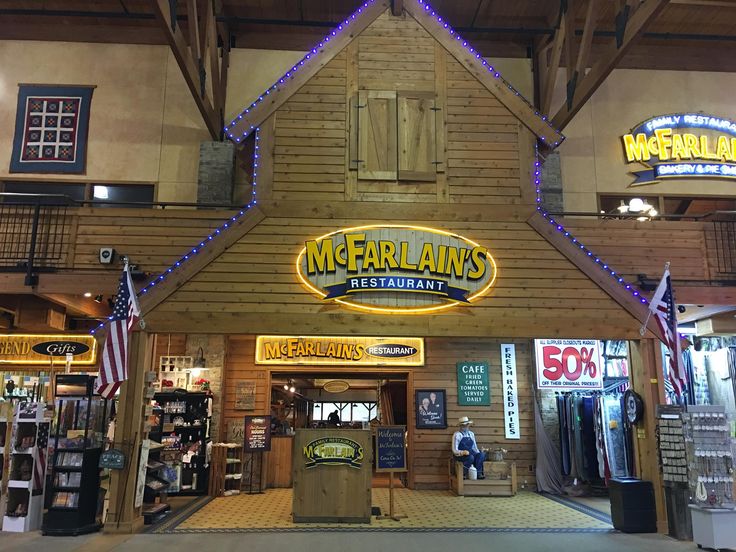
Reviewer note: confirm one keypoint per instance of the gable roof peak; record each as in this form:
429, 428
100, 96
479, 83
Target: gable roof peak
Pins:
334, 42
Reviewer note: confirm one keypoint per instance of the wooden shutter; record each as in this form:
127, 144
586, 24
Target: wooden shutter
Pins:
377, 135
417, 147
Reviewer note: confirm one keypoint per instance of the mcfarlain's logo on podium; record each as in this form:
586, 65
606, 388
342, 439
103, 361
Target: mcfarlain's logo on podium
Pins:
396, 269
333, 451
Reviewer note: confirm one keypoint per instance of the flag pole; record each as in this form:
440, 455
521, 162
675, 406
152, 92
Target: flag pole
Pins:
643, 328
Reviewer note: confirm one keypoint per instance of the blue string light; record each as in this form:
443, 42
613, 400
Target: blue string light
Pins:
537, 175
311, 54
205, 241
314, 52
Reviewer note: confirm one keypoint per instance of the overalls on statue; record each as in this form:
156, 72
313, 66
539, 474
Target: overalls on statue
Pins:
472, 459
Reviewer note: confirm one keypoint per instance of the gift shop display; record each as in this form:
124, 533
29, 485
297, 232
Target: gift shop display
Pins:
227, 469
77, 443
184, 431
29, 440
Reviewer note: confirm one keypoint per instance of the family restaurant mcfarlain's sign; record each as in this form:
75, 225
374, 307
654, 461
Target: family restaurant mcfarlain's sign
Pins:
394, 268
682, 145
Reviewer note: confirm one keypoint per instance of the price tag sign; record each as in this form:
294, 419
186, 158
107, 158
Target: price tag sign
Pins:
569, 364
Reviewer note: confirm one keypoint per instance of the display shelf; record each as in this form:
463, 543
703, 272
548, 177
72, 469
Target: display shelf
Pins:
29, 446
78, 444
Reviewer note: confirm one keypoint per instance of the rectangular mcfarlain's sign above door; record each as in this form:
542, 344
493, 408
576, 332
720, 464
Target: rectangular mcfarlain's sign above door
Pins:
327, 350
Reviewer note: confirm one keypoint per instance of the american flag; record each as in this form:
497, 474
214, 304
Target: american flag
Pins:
662, 308
125, 313
39, 467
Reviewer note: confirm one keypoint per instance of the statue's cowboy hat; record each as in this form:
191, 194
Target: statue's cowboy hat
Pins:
464, 420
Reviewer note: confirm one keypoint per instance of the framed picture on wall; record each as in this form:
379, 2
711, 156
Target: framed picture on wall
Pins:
430, 408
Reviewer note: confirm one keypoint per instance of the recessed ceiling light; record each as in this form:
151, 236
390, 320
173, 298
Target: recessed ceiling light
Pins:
88, 294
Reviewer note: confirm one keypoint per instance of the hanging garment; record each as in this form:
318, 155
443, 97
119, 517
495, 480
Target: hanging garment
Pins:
732, 368
577, 421
603, 470
549, 466
590, 460
700, 377
628, 438
564, 442
687, 364
613, 436
570, 413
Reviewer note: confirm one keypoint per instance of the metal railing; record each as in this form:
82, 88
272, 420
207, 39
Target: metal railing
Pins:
35, 228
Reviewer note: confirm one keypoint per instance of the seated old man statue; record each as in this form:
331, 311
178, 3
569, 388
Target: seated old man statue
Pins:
465, 449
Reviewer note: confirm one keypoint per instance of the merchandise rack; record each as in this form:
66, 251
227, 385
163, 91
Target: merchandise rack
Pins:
28, 453
75, 473
184, 425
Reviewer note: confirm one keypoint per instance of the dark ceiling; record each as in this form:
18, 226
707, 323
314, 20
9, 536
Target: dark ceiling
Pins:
688, 34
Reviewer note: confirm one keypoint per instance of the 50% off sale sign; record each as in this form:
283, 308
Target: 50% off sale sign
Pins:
569, 364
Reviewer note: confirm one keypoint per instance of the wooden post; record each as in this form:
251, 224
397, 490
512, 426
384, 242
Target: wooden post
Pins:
646, 380
122, 516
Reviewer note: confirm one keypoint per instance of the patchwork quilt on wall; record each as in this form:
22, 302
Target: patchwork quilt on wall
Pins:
51, 126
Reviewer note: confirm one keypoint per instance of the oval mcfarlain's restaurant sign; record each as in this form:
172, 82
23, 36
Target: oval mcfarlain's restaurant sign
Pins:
396, 268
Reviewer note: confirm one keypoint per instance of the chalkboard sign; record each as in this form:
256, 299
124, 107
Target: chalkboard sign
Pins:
257, 433
391, 448
112, 459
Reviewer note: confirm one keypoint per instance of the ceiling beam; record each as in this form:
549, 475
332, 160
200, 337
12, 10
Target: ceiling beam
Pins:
397, 7
190, 55
76, 283
636, 24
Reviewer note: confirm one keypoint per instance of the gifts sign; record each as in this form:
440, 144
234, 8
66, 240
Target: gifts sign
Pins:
569, 364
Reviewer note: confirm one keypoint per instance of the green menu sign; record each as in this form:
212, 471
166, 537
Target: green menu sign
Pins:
473, 388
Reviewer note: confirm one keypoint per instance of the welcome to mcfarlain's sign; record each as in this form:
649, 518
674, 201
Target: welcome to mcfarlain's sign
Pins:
393, 268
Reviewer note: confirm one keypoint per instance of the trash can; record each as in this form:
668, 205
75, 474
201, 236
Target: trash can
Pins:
633, 508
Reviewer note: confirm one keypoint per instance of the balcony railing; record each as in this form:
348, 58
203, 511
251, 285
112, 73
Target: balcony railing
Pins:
41, 232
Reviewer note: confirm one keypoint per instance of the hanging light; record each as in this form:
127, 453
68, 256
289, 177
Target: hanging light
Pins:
292, 388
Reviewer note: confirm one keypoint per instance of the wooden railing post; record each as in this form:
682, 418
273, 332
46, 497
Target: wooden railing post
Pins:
646, 380
122, 516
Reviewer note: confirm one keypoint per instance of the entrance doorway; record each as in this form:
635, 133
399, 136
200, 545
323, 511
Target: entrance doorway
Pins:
332, 399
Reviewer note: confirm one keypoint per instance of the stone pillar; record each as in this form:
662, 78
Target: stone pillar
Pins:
213, 347
551, 188
216, 170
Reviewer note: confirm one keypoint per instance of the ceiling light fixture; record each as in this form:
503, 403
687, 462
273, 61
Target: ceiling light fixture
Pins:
88, 294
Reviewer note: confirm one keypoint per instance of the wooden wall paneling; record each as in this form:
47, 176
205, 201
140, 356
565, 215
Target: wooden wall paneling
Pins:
377, 135
352, 153
527, 186
440, 86
483, 162
310, 137
203, 257
416, 136
266, 154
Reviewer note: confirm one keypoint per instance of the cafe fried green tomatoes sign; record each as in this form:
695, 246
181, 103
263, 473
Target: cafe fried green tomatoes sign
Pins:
396, 269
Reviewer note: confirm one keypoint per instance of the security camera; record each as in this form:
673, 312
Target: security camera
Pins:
107, 254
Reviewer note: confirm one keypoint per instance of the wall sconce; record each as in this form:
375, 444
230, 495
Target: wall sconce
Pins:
199, 363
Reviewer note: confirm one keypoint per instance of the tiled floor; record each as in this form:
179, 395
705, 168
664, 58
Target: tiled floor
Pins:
425, 511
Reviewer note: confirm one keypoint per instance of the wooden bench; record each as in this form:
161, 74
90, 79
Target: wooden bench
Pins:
506, 486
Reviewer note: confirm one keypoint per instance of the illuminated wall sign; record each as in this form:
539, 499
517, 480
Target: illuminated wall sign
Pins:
42, 349
364, 351
392, 268
682, 145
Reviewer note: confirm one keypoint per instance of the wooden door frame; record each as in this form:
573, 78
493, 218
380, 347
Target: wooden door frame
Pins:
407, 371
